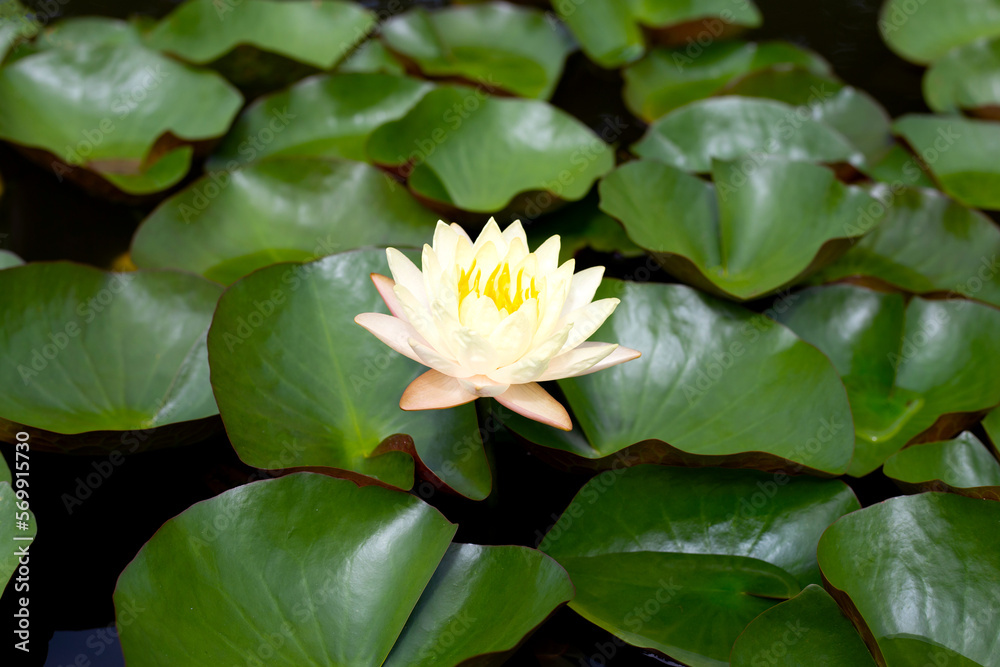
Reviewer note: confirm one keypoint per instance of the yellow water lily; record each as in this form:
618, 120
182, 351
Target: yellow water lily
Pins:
492, 319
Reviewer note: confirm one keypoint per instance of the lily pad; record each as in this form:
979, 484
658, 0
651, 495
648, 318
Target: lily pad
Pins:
716, 385
309, 570
284, 342
896, 166
764, 224
653, 550
84, 350
914, 372
322, 116
116, 108
228, 224
462, 148
935, 552
9, 259
512, 48
729, 128
923, 32
991, 424
583, 225
963, 465
611, 33
959, 153
372, 56
967, 78
807, 631
316, 32
928, 243
669, 78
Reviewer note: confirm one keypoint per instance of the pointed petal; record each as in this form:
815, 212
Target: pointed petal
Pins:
480, 385
491, 234
434, 391
577, 360
384, 285
439, 362
473, 352
479, 313
406, 273
445, 242
515, 231
587, 320
548, 255
418, 316
529, 367
535, 403
390, 330
582, 288
512, 337
619, 356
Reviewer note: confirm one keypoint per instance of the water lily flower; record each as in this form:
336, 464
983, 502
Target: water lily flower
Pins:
492, 319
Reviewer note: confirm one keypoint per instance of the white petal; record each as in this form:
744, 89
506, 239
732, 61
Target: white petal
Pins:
390, 330
529, 367
513, 336
548, 255
577, 360
535, 403
587, 320
491, 234
405, 273
436, 360
480, 385
418, 315
433, 391
515, 231
446, 242
619, 356
384, 285
432, 270
479, 313
582, 288
554, 289
473, 351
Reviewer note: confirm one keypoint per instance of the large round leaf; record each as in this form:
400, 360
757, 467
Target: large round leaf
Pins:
926, 31
300, 384
716, 385
907, 368
317, 32
611, 31
325, 115
104, 104
9, 259
765, 223
729, 128
922, 573
654, 551
928, 243
308, 570
959, 153
83, 350
669, 78
963, 465
968, 77
513, 48
462, 148
283, 209
807, 631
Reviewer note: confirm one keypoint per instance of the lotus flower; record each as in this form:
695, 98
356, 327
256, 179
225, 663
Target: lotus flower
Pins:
491, 319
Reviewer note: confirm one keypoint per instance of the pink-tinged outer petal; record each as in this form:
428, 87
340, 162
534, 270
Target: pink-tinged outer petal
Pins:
434, 391
392, 331
562, 369
480, 385
533, 402
406, 274
384, 286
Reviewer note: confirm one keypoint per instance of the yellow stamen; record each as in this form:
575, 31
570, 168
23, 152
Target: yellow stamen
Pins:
506, 292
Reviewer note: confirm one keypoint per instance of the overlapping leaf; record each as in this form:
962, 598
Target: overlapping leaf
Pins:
923, 32
968, 77
300, 384
283, 209
913, 370
309, 570
653, 551
962, 465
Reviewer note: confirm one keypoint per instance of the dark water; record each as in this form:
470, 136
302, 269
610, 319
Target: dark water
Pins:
81, 550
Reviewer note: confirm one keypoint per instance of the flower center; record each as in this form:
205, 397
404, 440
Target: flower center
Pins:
508, 293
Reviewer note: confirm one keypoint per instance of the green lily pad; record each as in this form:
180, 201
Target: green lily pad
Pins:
928, 243
991, 424
509, 47
309, 570
959, 153
923, 32
9, 259
654, 550
729, 128
807, 631
764, 224
963, 465
372, 56
583, 225
84, 350
896, 166
322, 116
967, 78
116, 108
905, 366
926, 587
610, 32
17, 528
670, 78
283, 209
17, 24
300, 384
464, 149
716, 385
316, 32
